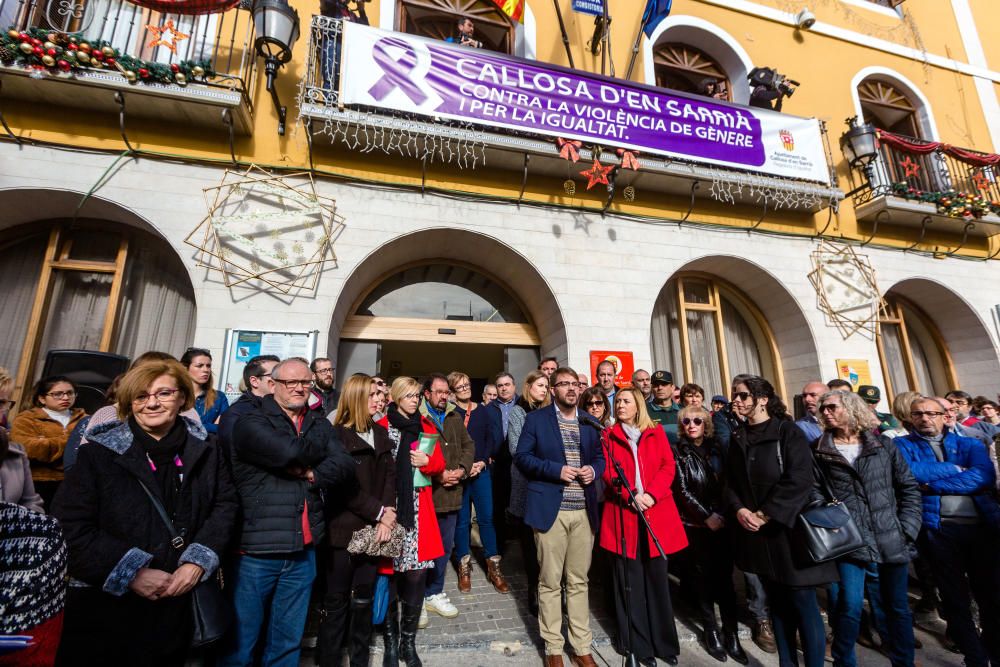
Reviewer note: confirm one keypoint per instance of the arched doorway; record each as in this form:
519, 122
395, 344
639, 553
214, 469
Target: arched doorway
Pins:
930, 340
686, 68
720, 316
437, 19
441, 300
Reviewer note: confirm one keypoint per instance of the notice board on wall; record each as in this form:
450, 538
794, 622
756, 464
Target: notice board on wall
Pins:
243, 345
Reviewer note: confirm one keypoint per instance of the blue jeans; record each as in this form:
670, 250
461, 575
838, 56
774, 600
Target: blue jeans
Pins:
873, 592
435, 576
277, 588
479, 492
796, 609
849, 599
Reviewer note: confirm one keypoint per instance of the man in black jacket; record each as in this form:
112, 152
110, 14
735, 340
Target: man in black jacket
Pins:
257, 379
282, 455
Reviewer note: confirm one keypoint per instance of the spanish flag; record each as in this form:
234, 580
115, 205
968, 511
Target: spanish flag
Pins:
512, 8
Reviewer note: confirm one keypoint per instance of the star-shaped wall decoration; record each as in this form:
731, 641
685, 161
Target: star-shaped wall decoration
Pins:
597, 174
982, 183
159, 33
910, 167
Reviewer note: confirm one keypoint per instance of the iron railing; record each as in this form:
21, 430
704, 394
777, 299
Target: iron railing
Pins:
226, 39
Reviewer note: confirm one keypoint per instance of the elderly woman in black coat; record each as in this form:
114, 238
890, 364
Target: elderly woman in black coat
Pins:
129, 599
872, 479
770, 479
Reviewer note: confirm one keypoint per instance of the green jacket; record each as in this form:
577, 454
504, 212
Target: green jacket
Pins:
667, 418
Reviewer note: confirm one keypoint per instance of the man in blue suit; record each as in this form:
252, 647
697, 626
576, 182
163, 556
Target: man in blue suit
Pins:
961, 527
560, 455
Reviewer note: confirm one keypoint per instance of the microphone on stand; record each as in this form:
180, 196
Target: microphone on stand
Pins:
590, 421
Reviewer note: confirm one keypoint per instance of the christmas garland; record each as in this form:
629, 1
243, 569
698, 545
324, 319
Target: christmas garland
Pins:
62, 53
952, 203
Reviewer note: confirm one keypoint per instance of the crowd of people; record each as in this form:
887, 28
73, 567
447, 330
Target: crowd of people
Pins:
170, 523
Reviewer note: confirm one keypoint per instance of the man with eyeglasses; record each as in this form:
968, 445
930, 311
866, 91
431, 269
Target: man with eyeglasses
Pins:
282, 454
560, 455
324, 395
961, 527
257, 379
662, 409
952, 422
964, 417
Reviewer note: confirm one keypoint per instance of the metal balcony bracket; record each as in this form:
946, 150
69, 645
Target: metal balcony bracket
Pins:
309, 143
969, 226
6, 127
694, 188
524, 179
760, 220
612, 184
227, 120
829, 220
120, 99
925, 222
878, 220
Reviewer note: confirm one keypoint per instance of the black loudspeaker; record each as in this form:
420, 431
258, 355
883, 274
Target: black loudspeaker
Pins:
91, 372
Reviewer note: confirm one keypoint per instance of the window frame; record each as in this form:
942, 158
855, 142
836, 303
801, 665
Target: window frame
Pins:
403, 14
892, 314
693, 50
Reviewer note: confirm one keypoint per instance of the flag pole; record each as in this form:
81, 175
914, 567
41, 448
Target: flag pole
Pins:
635, 45
565, 37
604, 36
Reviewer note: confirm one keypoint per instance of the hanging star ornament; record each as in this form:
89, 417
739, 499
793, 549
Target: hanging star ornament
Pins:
910, 167
160, 32
982, 183
597, 174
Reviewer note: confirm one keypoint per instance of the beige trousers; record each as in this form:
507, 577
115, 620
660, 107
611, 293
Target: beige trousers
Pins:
565, 550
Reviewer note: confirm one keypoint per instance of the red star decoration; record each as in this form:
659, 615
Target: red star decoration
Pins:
982, 183
597, 174
159, 34
910, 167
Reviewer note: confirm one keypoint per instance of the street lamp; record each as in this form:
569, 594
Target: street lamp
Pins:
859, 143
277, 28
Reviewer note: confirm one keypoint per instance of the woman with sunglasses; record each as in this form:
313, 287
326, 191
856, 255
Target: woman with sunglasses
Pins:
639, 446
595, 402
44, 430
698, 490
769, 479
209, 403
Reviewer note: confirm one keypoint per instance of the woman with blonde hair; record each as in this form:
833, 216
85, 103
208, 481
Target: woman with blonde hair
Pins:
415, 512
350, 578
638, 446
901, 411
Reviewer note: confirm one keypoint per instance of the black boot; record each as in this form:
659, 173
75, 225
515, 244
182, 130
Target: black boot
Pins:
734, 648
713, 644
331, 630
390, 636
360, 637
408, 636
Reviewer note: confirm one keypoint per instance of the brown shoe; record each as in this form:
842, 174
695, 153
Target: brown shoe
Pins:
495, 576
584, 661
553, 661
465, 574
763, 637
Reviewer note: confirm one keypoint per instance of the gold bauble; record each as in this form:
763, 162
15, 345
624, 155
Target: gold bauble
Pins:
569, 185
130, 75
48, 61
48, 45
180, 79
83, 57
26, 47
629, 193
52, 37
13, 34
85, 47
108, 51
197, 71
96, 64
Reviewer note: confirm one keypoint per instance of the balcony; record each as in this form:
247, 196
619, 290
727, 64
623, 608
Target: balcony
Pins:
921, 184
223, 42
346, 61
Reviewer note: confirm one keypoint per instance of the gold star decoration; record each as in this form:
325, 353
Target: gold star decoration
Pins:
160, 32
846, 289
248, 244
910, 167
597, 174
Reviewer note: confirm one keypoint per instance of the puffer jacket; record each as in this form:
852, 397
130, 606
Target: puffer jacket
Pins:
697, 486
881, 494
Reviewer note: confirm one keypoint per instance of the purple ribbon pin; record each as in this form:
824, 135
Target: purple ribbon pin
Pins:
394, 75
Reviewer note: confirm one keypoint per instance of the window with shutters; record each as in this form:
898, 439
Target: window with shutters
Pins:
438, 19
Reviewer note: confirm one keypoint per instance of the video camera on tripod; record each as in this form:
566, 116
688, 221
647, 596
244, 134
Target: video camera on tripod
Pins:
772, 79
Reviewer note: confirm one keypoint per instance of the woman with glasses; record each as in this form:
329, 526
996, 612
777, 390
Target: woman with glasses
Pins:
209, 403
638, 445
130, 603
595, 402
769, 479
350, 578
415, 513
869, 475
534, 394
44, 430
698, 490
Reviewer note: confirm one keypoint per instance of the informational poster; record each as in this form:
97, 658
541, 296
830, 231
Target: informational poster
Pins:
855, 371
242, 346
623, 362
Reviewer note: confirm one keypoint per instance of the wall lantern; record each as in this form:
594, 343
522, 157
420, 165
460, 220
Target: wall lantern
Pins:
277, 28
859, 143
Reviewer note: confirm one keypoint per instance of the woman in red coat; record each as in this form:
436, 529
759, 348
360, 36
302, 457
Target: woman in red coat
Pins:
415, 512
639, 446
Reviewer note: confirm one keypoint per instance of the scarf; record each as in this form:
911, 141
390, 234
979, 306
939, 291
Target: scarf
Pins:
409, 432
633, 434
164, 455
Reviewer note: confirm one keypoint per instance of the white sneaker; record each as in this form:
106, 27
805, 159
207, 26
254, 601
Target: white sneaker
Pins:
441, 605
424, 621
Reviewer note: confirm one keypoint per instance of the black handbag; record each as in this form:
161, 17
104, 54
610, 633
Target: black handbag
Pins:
213, 613
827, 530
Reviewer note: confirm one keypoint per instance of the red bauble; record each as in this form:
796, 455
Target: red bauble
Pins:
174, 68
96, 55
63, 65
35, 41
143, 72
24, 37
38, 51
72, 46
110, 62
51, 52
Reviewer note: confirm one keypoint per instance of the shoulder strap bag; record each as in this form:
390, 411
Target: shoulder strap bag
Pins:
827, 530
212, 612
